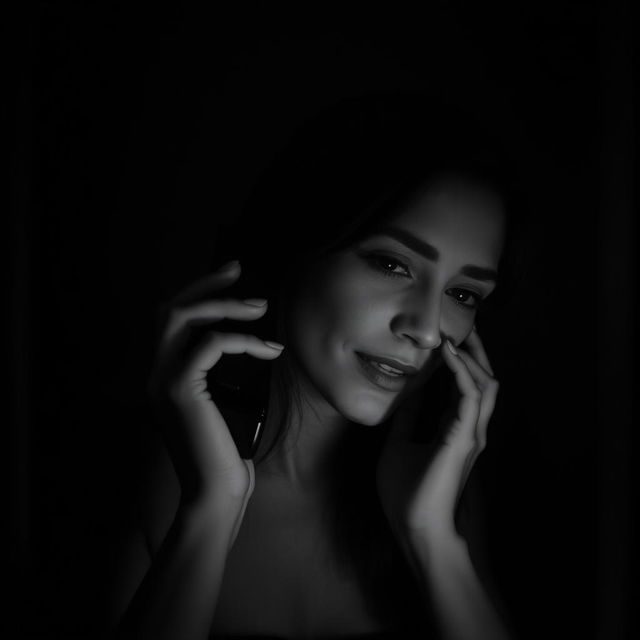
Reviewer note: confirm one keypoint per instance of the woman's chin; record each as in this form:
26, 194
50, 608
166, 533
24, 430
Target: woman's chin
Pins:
368, 421
367, 412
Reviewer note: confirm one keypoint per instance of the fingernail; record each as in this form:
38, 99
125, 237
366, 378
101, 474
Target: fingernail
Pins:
230, 266
255, 302
451, 347
274, 345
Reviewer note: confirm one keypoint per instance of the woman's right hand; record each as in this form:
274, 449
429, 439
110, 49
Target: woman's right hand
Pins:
198, 440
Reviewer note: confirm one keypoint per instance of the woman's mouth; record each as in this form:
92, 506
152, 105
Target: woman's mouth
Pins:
382, 373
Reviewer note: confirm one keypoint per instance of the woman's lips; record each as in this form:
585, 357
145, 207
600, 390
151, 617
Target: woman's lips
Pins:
382, 374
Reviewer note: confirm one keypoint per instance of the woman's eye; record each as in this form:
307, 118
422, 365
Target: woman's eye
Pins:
466, 298
388, 266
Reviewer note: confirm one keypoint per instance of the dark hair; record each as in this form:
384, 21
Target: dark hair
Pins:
336, 177
352, 164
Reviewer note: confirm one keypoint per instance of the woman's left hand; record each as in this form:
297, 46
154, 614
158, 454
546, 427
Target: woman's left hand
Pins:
419, 485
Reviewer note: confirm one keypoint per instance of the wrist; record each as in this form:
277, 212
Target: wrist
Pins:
211, 507
436, 545
437, 558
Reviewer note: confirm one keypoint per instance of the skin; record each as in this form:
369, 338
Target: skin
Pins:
348, 303
383, 298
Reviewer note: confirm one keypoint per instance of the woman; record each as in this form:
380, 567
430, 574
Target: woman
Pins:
374, 239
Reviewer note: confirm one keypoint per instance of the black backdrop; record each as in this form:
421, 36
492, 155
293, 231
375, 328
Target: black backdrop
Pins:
138, 131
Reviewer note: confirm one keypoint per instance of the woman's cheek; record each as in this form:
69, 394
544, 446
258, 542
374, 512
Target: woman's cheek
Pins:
457, 325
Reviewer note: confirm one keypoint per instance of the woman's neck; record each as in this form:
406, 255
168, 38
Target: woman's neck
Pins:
305, 460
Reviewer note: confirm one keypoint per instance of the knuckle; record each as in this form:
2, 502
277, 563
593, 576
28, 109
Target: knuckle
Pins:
475, 394
213, 338
466, 445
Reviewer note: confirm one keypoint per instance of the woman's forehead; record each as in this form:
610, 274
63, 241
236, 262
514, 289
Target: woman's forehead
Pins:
454, 214
453, 204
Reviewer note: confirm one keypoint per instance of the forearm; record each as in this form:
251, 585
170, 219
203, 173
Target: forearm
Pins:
453, 591
178, 595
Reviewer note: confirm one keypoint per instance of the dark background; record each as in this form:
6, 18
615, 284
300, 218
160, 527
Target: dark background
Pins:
137, 131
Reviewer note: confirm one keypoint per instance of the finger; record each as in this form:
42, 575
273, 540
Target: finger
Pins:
480, 375
471, 396
223, 277
489, 387
475, 346
210, 311
215, 344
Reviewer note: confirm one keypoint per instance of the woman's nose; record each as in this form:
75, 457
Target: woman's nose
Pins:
419, 321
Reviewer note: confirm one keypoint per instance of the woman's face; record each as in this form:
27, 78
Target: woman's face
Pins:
370, 320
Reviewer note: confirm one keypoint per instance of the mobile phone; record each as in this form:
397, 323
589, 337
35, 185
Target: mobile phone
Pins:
239, 387
239, 383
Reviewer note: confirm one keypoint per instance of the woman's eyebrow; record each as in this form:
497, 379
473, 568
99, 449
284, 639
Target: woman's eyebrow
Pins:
429, 252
